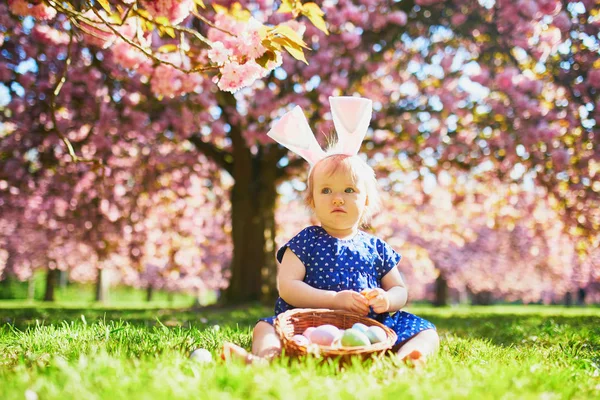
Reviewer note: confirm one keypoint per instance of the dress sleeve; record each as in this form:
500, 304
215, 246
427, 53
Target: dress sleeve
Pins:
298, 245
389, 257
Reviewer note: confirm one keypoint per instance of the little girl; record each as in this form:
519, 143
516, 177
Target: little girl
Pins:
336, 265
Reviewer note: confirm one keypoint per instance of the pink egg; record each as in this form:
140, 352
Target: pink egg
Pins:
301, 340
334, 330
308, 330
321, 337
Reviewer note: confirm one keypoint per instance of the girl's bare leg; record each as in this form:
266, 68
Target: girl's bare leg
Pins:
265, 341
419, 347
265, 345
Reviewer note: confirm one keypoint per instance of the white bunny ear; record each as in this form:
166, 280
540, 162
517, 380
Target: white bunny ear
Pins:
293, 132
351, 117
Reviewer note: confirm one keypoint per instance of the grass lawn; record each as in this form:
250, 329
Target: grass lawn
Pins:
504, 352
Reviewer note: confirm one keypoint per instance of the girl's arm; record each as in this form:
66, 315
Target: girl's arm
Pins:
393, 294
297, 293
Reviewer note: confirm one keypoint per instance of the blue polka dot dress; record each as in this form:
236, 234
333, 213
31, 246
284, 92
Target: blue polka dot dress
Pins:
349, 264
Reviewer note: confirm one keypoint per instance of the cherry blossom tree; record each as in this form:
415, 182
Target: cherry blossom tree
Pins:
501, 90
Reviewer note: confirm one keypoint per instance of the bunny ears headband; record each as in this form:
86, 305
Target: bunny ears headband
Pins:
351, 117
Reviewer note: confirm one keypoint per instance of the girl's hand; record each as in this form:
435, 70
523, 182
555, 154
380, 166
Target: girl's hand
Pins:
352, 301
378, 298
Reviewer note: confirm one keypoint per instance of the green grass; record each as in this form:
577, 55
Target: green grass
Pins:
78, 295
102, 353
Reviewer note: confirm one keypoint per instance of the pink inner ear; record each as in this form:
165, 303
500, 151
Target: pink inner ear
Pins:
349, 111
289, 130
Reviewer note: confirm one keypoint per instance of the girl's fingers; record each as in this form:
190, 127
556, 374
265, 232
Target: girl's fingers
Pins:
360, 298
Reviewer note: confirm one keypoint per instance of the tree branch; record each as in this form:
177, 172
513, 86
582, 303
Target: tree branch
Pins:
220, 157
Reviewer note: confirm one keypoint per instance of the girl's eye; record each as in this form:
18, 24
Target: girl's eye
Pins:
325, 190
349, 190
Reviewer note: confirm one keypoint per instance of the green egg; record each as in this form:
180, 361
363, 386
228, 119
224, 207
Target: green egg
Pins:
354, 338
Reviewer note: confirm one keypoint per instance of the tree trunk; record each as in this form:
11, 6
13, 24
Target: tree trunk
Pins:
441, 291
102, 284
51, 282
253, 197
568, 299
149, 293
581, 296
482, 298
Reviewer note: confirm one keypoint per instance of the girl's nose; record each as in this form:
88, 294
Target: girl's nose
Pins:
338, 201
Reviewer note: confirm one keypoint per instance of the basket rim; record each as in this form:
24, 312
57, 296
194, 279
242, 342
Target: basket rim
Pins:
287, 343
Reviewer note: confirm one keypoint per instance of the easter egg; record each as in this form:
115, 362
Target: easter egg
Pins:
376, 334
334, 330
301, 340
324, 335
308, 330
361, 327
201, 355
354, 338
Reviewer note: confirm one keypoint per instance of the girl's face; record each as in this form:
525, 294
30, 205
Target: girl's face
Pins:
338, 201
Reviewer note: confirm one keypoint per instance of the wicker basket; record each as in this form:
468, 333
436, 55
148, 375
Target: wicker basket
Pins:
295, 321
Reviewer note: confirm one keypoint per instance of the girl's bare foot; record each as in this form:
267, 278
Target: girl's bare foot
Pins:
413, 359
232, 351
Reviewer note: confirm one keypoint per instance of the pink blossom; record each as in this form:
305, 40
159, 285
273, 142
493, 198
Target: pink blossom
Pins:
560, 159
48, 35
458, 19
96, 34
235, 76
562, 21
170, 82
426, 3
128, 56
219, 54
174, 10
529, 8
593, 78
550, 7
41, 11
351, 39
482, 77
19, 7
398, 18
505, 79
250, 45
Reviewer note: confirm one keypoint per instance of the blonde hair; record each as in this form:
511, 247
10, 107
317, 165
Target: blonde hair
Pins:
359, 170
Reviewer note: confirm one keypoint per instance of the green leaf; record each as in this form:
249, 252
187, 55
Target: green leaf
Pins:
296, 52
312, 8
167, 48
162, 21
319, 23
105, 5
289, 34
315, 15
285, 7
220, 9
165, 30
265, 58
